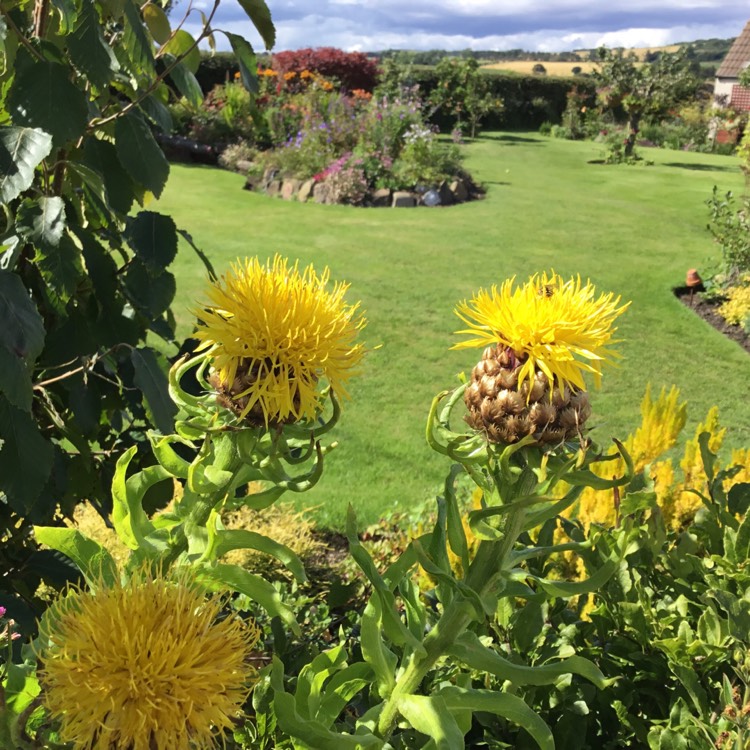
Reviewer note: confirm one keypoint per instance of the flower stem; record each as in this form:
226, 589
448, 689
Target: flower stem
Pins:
490, 560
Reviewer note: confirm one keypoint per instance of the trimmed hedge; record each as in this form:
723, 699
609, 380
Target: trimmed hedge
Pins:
528, 100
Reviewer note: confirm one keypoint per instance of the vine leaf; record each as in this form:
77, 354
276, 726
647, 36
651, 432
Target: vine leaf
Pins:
42, 96
21, 150
182, 43
139, 153
25, 458
157, 23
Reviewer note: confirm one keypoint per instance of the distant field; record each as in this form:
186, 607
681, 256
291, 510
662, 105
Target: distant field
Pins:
641, 52
526, 67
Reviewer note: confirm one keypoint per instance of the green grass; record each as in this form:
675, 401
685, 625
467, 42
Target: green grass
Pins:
634, 230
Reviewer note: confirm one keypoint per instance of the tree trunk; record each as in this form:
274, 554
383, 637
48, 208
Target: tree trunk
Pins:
634, 120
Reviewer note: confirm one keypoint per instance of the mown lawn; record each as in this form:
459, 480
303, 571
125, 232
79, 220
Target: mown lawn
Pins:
635, 230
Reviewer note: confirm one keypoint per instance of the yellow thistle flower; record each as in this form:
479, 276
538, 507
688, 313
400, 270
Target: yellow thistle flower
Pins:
273, 333
147, 665
553, 326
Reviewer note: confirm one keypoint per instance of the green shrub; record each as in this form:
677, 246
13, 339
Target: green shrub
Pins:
730, 226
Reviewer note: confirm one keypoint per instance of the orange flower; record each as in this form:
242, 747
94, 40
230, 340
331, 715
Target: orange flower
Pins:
305, 74
289, 75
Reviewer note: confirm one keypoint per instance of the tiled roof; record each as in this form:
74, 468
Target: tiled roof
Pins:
738, 56
740, 99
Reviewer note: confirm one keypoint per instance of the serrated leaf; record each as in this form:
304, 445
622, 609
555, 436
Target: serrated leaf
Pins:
246, 60
137, 44
258, 12
42, 96
151, 295
94, 561
185, 82
61, 268
42, 221
22, 329
157, 23
101, 157
15, 380
21, 150
151, 380
88, 49
139, 153
25, 458
157, 112
182, 43
153, 238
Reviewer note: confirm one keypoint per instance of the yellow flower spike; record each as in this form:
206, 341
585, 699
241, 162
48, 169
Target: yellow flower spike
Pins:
147, 665
552, 326
273, 334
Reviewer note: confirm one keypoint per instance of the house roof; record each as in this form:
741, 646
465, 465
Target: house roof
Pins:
740, 99
738, 56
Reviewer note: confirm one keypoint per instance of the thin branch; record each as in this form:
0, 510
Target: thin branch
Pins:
21, 38
204, 33
86, 366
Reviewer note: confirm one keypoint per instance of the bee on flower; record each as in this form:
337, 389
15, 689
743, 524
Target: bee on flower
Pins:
540, 338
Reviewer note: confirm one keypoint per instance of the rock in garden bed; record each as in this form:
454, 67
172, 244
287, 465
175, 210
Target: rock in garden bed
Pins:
459, 189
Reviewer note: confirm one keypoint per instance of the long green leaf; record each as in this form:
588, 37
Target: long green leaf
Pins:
258, 589
392, 623
128, 517
430, 715
94, 560
258, 12
231, 539
61, 268
312, 733
508, 706
137, 43
469, 650
245, 55
374, 651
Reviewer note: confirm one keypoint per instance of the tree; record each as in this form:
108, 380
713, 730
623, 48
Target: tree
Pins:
84, 279
643, 90
463, 90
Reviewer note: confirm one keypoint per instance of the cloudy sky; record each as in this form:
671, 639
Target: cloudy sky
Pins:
537, 25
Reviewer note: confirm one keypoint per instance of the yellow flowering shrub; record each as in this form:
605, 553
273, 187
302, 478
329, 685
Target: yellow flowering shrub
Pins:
736, 309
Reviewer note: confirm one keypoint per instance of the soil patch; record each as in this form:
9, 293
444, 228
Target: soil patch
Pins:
707, 309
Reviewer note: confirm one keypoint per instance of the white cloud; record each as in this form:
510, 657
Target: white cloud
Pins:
534, 25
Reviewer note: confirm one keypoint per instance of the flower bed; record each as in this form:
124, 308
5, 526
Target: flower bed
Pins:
304, 138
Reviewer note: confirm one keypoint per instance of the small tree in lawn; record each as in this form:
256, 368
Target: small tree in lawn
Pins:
463, 90
643, 90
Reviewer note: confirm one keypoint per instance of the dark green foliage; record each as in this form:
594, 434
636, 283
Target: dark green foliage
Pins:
83, 281
527, 100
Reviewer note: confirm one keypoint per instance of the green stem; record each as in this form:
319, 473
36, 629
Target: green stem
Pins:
490, 559
200, 511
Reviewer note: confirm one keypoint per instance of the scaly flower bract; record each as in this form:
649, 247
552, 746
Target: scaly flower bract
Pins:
274, 333
147, 665
552, 326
